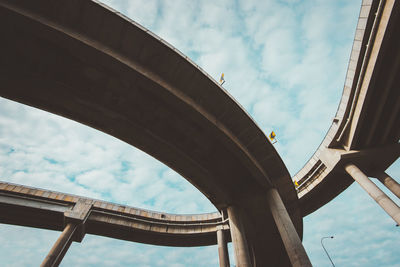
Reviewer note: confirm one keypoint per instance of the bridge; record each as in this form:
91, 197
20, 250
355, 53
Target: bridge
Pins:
121, 79
365, 131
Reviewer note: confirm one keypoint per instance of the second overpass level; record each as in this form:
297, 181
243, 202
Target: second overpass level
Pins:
366, 128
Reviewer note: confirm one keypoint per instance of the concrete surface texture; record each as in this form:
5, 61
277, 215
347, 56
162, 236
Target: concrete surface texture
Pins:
91, 64
123, 80
45, 209
366, 128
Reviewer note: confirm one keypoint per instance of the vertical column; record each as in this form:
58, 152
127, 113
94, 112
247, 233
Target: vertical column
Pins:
389, 182
290, 238
74, 221
222, 248
242, 257
378, 195
61, 246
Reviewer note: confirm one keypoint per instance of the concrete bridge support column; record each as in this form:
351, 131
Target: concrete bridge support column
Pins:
294, 248
389, 182
378, 195
242, 256
74, 221
61, 246
222, 248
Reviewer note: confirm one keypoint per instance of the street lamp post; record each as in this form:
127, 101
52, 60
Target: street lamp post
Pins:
325, 249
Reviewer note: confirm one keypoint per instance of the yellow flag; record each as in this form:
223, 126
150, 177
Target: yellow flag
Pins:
272, 136
296, 183
221, 80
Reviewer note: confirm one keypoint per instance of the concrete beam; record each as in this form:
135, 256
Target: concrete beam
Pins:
78, 216
294, 248
33, 203
319, 185
370, 66
377, 194
240, 246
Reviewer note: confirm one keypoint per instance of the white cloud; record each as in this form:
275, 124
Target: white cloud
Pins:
284, 61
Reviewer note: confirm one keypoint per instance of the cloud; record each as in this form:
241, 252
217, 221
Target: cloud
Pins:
285, 63
364, 235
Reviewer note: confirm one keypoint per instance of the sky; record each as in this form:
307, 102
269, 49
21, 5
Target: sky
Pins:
284, 60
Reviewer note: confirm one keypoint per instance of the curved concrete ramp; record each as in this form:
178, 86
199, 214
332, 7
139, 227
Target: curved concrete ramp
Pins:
366, 128
83, 61
39, 208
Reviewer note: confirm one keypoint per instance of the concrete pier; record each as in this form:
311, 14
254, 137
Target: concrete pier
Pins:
61, 246
389, 182
377, 194
222, 248
291, 240
240, 246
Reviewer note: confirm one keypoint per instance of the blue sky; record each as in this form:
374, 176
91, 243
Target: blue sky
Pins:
284, 61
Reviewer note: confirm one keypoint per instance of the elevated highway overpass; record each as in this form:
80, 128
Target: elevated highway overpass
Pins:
46, 209
33, 207
366, 128
93, 65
